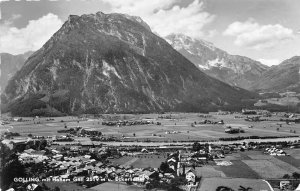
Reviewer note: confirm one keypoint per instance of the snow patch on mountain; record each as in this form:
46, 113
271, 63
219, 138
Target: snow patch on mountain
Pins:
190, 44
53, 69
107, 69
204, 67
219, 63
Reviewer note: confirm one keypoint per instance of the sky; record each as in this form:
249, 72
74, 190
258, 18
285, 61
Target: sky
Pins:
264, 30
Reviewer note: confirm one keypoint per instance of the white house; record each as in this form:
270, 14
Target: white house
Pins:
190, 176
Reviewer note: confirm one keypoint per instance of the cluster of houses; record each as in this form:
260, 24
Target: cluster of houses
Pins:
290, 121
32, 156
172, 132
206, 121
273, 151
178, 163
78, 163
79, 166
129, 123
254, 118
233, 129
4, 122
83, 168
265, 113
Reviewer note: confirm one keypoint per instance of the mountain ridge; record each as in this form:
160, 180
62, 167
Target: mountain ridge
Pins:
235, 70
107, 63
280, 78
10, 64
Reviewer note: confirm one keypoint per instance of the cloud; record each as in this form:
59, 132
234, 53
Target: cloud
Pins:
255, 36
165, 17
269, 62
16, 41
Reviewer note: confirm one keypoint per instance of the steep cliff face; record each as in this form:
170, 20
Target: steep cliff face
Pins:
280, 78
233, 69
9, 65
104, 63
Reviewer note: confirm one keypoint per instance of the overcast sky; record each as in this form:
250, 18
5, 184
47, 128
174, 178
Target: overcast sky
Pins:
264, 30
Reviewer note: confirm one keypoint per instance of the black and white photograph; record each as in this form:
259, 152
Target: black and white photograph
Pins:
150, 95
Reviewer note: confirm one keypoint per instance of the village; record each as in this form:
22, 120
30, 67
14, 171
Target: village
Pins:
83, 156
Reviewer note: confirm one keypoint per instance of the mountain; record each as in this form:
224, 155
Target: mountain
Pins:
10, 64
280, 78
235, 70
113, 63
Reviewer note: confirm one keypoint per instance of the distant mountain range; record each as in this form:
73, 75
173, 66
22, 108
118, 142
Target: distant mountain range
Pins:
10, 64
233, 69
280, 78
110, 63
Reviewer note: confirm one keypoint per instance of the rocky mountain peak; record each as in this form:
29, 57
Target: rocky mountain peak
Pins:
232, 69
114, 18
130, 29
181, 41
107, 63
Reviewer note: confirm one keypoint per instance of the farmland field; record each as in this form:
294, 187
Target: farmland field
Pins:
290, 160
255, 164
178, 128
238, 169
140, 161
208, 172
283, 165
266, 168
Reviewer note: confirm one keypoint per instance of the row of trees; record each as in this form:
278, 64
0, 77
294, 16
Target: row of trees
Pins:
295, 175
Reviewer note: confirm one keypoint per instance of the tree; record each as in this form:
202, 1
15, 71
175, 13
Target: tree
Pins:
286, 176
27, 147
296, 175
196, 146
36, 169
42, 145
176, 182
164, 167
12, 169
